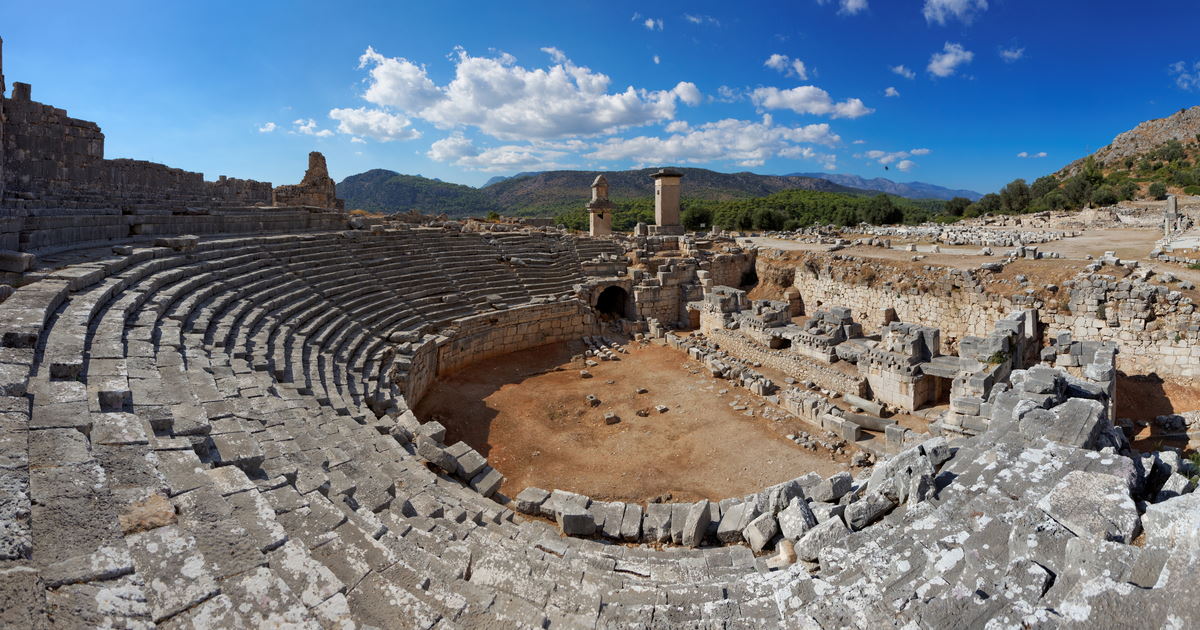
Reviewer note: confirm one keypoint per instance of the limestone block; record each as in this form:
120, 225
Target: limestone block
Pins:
1093, 505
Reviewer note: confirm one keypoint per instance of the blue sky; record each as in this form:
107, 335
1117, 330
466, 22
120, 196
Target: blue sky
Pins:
464, 91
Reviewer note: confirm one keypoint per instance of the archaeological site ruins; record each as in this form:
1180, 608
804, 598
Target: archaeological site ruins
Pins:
228, 404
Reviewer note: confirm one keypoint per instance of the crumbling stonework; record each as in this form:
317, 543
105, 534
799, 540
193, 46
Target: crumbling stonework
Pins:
316, 189
201, 431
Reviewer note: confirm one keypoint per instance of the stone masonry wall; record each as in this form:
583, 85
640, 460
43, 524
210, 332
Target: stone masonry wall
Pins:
799, 367
53, 160
1156, 330
491, 334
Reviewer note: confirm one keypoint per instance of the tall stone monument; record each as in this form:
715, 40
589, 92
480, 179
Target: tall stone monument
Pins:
600, 209
666, 202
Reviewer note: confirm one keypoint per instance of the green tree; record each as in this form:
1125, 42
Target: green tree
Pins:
957, 206
1043, 185
768, 219
1104, 196
1014, 198
1078, 190
696, 218
988, 204
881, 211
1158, 190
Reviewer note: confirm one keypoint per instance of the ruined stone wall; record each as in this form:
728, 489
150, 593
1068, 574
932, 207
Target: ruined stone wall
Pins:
729, 269
799, 367
1157, 330
492, 334
53, 160
317, 189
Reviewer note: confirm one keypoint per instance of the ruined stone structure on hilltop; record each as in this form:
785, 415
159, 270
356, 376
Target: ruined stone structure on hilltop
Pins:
216, 429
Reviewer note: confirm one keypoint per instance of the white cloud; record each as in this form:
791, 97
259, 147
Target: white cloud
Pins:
357, 140
946, 63
788, 66
941, 11
904, 72
891, 92
511, 102
852, 7
899, 158
745, 142
726, 94
1186, 78
1026, 154
859, 142
452, 148
1010, 55
848, 7
398, 82
656, 59
557, 55
808, 99
308, 127
374, 123
461, 151
701, 19
688, 93
267, 128
653, 24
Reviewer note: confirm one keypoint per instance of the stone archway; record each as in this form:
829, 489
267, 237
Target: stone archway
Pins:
613, 302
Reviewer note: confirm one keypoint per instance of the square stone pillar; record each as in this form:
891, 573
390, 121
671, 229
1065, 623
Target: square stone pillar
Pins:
666, 197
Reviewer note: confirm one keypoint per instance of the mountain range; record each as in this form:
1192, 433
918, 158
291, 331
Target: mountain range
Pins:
912, 190
549, 192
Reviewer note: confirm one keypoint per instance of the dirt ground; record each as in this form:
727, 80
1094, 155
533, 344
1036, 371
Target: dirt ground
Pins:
527, 413
1144, 397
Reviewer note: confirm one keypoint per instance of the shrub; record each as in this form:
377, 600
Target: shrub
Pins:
1104, 196
1158, 190
1191, 190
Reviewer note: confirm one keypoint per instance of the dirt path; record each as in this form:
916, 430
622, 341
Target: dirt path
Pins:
527, 413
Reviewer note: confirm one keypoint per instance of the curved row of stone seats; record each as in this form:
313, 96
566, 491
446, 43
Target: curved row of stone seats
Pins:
209, 459
172, 477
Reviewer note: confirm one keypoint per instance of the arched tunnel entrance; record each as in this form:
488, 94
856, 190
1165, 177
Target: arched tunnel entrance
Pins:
612, 303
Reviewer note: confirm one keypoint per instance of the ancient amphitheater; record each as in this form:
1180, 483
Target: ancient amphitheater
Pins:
211, 413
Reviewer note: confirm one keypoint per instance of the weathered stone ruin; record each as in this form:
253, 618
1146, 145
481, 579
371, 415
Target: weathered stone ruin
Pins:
206, 420
316, 189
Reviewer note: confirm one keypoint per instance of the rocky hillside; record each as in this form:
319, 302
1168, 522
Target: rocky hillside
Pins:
1182, 127
548, 193
381, 190
912, 190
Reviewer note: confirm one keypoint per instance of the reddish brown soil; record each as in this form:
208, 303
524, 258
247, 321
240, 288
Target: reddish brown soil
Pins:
1142, 398
526, 412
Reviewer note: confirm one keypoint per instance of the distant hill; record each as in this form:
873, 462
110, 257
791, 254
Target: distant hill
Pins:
551, 192
381, 190
554, 189
1145, 141
912, 190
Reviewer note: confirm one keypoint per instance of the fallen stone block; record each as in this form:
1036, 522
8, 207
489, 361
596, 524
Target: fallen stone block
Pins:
695, 524
1093, 505
761, 531
796, 520
818, 538
575, 521
530, 500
